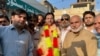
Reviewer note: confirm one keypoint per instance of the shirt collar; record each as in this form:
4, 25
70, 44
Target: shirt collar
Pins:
12, 27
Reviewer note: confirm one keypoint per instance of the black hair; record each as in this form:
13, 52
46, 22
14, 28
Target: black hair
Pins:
41, 23
18, 12
40, 15
32, 16
88, 12
49, 13
5, 16
66, 15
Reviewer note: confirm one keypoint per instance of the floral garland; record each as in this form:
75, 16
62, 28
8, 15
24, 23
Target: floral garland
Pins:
52, 44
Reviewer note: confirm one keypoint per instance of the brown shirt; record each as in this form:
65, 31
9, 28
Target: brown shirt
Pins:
83, 43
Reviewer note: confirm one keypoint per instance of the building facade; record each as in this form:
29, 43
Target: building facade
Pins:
31, 6
76, 9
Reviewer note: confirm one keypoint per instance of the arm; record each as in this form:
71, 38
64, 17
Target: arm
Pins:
30, 49
1, 45
92, 46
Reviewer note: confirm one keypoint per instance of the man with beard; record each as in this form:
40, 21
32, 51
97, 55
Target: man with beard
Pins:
15, 39
64, 26
88, 18
78, 41
4, 21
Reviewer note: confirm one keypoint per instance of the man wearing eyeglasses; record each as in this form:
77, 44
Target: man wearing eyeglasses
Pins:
64, 27
4, 21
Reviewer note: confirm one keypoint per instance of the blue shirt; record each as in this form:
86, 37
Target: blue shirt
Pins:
14, 43
98, 39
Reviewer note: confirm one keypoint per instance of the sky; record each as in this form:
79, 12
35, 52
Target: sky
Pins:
97, 7
61, 4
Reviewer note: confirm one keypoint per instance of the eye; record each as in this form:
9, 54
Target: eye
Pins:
71, 23
94, 23
0, 22
25, 18
19, 16
99, 22
22, 17
4, 21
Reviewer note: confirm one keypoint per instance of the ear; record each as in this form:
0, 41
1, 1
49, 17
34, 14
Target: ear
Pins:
12, 17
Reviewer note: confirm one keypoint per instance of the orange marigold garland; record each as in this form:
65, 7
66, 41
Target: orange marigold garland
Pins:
40, 52
46, 32
55, 42
52, 45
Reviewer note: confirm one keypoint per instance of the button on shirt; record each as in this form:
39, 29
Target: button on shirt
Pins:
14, 43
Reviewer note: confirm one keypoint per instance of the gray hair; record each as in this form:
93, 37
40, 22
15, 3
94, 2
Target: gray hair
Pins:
65, 15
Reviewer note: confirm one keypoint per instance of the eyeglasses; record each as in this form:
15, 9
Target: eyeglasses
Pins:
65, 19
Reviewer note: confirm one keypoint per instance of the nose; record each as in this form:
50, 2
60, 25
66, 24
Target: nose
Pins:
74, 24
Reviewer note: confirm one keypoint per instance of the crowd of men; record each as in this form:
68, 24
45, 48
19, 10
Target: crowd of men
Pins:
41, 35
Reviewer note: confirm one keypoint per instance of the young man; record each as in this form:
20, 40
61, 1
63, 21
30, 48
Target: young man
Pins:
4, 20
15, 39
88, 19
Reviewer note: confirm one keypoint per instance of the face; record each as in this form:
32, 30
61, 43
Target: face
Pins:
97, 24
19, 20
40, 18
76, 24
32, 23
3, 22
88, 20
64, 22
49, 20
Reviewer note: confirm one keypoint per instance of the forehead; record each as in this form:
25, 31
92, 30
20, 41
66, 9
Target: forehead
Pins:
88, 15
2, 19
22, 15
97, 19
40, 16
64, 17
74, 19
49, 15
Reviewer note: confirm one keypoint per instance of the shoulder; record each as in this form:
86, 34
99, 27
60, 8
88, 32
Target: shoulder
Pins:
88, 34
2, 28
